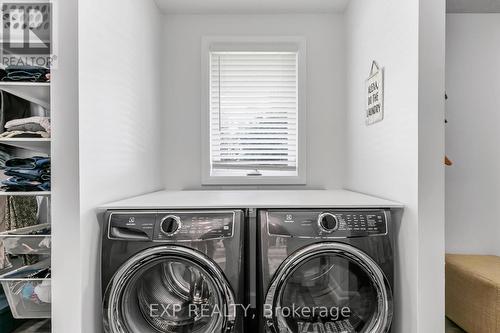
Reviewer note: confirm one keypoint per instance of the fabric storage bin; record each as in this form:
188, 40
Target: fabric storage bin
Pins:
28, 291
29, 240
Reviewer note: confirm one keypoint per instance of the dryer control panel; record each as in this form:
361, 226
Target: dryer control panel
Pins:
171, 226
327, 223
185, 226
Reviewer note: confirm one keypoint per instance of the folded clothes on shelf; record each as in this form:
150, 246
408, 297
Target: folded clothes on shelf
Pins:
24, 134
27, 174
34, 162
17, 184
31, 127
12, 107
33, 124
26, 73
4, 156
34, 127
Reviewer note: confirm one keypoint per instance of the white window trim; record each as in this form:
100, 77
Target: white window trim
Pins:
246, 43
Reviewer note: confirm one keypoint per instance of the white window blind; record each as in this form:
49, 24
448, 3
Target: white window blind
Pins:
254, 113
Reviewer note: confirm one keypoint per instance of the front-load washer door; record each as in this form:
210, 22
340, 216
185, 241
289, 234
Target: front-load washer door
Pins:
169, 289
328, 287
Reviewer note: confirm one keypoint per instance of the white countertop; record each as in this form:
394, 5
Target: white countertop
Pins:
252, 199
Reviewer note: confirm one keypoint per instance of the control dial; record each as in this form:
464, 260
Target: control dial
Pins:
328, 222
170, 225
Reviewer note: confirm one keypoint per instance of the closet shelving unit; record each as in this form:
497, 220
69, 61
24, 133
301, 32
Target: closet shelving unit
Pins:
34, 144
37, 93
32, 193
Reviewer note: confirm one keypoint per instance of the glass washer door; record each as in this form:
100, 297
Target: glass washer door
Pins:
169, 289
329, 288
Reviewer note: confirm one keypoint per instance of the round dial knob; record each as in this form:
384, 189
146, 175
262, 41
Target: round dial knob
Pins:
328, 222
170, 225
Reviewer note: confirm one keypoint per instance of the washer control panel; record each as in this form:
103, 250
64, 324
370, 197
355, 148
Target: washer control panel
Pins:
328, 223
171, 226
194, 226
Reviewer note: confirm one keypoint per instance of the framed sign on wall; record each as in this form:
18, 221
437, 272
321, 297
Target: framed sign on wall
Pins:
374, 89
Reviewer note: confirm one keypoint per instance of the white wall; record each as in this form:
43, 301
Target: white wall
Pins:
66, 311
182, 89
431, 150
119, 59
119, 127
473, 133
384, 159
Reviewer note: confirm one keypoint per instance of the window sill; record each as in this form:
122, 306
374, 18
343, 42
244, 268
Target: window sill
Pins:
253, 180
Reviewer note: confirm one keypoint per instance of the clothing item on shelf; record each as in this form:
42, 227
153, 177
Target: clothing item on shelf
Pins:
30, 124
12, 107
30, 174
17, 184
44, 216
27, 290
27, 174
26, 73
24, 134
31, 127
36, 292
43, 292
4, 156
17, 212
4, 259
35, 162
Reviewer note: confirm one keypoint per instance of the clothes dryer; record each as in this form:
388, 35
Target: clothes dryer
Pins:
172, 271
326, 271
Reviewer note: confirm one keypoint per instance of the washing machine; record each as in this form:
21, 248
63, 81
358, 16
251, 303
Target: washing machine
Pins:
172, 271
325, 271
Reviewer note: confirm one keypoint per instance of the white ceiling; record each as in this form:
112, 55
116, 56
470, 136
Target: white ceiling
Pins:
250, 6
473, 6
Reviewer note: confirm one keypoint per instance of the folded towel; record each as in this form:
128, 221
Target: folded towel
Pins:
44, 122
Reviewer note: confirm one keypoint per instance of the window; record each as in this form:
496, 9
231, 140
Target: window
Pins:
254, 115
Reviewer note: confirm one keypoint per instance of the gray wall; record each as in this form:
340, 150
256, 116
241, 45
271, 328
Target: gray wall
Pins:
181, 139
473, 133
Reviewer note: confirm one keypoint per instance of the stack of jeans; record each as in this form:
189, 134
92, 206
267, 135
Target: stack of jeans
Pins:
27, 174
26, 73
